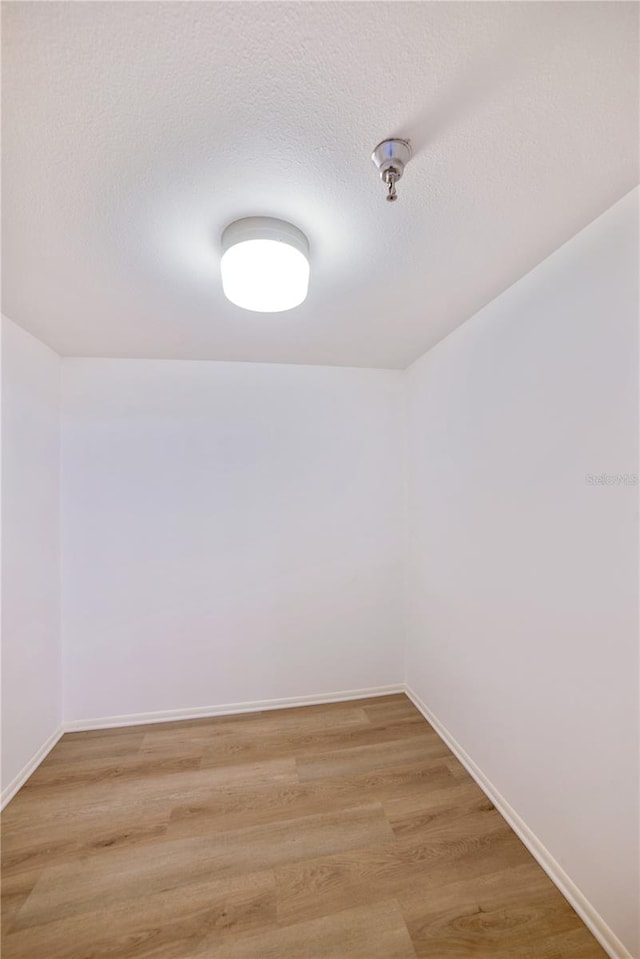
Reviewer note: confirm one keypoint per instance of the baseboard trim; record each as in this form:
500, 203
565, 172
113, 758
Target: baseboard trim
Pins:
229, 709
9, 792
591, 918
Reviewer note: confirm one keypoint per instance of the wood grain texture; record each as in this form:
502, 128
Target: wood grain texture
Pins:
340, 831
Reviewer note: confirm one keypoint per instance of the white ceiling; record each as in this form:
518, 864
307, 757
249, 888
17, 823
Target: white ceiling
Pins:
134, 132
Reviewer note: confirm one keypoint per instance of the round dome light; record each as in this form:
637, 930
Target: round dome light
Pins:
265, 264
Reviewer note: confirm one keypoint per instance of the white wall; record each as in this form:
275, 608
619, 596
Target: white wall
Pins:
523, 590
31, 659
232, 532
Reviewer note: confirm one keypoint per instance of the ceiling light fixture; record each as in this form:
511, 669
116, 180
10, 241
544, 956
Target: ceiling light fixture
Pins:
265, 264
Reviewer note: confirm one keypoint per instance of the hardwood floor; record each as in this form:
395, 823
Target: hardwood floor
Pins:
345, 831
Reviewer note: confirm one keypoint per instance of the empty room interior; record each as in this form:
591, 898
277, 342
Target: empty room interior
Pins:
320, 480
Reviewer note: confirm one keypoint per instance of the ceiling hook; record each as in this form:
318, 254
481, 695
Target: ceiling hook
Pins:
391, 157
390, 178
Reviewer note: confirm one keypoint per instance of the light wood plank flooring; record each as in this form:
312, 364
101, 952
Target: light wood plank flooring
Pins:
345, 831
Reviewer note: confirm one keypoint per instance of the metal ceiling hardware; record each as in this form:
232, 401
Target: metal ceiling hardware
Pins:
391, 157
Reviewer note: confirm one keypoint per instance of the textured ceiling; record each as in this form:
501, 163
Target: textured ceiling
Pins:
134, 132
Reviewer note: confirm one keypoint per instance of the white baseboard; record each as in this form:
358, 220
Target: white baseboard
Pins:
591, 918
9, 792
230, 709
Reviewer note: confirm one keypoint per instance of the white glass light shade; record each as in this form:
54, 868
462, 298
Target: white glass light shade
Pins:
265, 264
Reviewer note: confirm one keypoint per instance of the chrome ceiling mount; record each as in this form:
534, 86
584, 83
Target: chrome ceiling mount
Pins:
391, 157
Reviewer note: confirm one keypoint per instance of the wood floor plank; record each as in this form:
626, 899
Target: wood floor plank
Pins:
86, 771
59, 798
303, 745
202, 722
78, 822
339, 762
15, 893
377, 931
42, 857
384, 699
268, 725
168, 924
116, 874
396, 709
114, 747
306, 889
421, 816
232, 808
337, 831
493, 916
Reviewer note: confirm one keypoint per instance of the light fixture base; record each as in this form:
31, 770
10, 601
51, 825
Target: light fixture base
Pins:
264, 228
